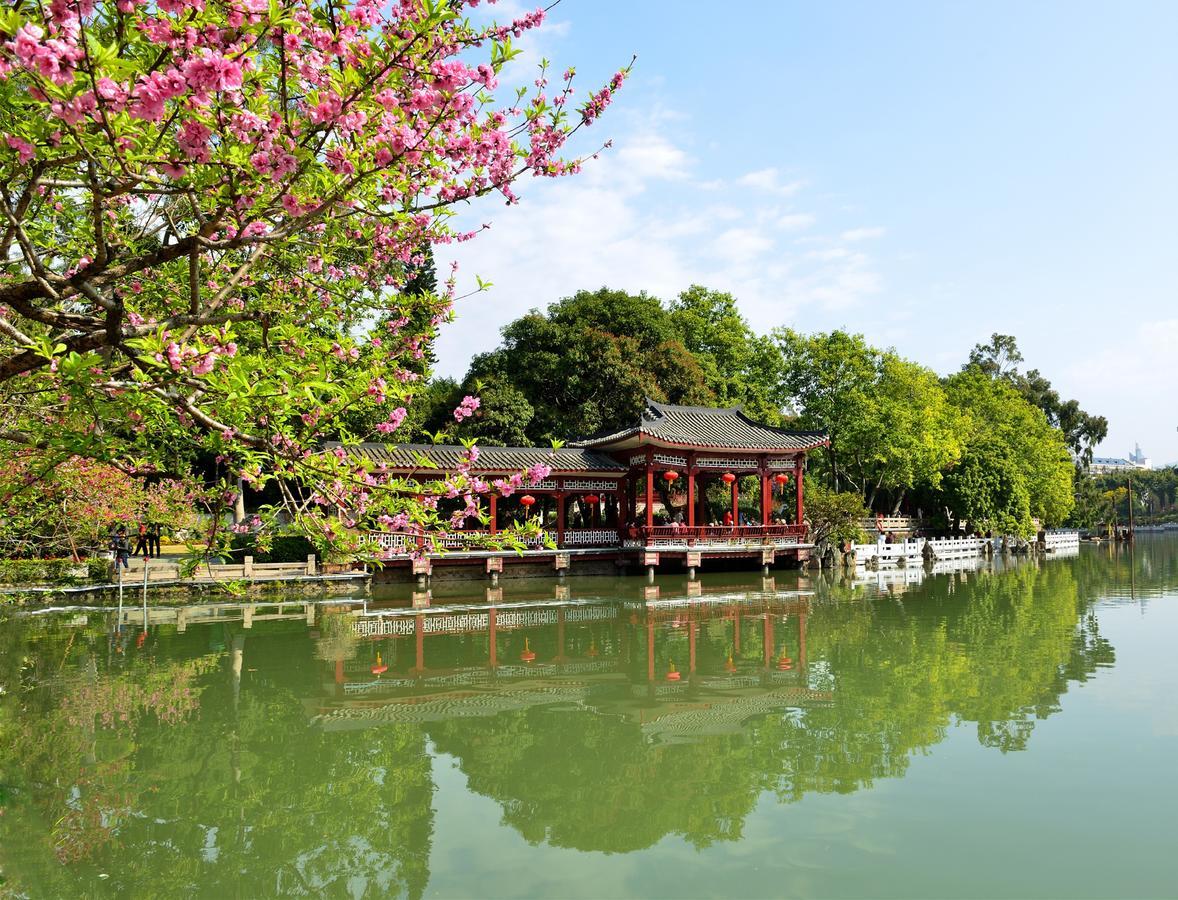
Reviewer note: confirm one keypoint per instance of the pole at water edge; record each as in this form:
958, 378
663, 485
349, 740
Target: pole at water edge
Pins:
146, 563
1130, 506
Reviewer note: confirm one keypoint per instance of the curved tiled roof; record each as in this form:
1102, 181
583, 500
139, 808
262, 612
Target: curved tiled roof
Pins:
703, 426
413, 457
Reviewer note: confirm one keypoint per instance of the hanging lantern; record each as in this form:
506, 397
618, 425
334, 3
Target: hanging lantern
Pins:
673, 673
593, 650
728, 478
784, 663
781, 478
670, 476
529, 655
592, 499
730, 666
527, 500
380, 667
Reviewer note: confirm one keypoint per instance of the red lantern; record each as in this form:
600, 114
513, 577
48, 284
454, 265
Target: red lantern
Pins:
380, 668
781, 478
673, 674
728, 478
592, 499
527, 500
670, 476
529, 654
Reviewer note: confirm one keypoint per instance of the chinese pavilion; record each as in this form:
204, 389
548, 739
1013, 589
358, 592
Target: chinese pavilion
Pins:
603, 492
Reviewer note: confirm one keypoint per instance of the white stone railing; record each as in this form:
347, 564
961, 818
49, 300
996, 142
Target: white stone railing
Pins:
1060, 540
946, 548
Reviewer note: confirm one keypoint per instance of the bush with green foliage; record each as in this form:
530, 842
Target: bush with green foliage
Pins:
278, 548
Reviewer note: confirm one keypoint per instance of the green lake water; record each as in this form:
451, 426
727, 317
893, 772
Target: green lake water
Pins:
1010, 731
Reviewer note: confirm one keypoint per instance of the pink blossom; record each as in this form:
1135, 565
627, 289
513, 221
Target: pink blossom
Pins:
24, 150
466, 408
396, 417
212, 72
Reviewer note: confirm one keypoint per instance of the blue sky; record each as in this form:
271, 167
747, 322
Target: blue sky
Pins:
925, 174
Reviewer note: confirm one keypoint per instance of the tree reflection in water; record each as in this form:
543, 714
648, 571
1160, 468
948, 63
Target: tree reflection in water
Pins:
228, 762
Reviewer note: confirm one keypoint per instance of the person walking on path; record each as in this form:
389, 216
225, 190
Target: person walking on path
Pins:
141, 545
120, 548
154, 533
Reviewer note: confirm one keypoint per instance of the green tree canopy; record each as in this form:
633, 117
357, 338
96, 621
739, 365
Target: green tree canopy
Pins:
890, 424
1001, 358
587, 364
1015, 464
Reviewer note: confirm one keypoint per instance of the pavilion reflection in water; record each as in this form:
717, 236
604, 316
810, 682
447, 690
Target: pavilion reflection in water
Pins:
697, 665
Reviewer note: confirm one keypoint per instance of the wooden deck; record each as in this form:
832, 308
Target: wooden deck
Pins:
246, 613
155, 571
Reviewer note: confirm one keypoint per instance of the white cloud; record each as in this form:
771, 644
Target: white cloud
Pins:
862, 234
796, 221
769, 180
652, 156
642, 218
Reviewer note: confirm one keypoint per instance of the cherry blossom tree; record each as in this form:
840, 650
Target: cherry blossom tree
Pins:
210, 211
70, 508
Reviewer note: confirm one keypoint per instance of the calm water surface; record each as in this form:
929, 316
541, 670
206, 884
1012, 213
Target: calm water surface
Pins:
996, 733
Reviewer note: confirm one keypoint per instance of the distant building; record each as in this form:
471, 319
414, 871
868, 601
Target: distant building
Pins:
1105, 465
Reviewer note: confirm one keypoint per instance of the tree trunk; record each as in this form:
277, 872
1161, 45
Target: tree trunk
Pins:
239, 503
899, 500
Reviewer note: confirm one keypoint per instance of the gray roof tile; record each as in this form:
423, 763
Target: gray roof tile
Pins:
702, 426
491, 459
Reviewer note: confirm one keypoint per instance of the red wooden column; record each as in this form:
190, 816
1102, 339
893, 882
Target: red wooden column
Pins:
560, 635
419, 640
802, 640
649, 495
691, 646
420, 535
560, 507
799, 466
736, 503
766, 498
768, 641
690, 498
494, 637
649, 648
494, 515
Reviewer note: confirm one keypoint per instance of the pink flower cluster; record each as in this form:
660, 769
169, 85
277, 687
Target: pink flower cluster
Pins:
396, 417
466, 408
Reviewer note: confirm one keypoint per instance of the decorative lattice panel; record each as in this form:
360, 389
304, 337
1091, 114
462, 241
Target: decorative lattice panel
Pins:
589, 484
782, 462
669, 460
379, 627
727, 462
590, 613
591, 538
638, 460
526, 618
455, 624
